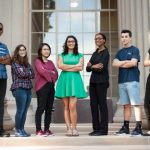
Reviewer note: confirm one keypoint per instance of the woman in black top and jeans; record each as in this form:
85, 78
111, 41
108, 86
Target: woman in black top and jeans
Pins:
99, 83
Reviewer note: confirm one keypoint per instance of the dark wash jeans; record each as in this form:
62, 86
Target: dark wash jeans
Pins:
45, 100
3, 85
23, 99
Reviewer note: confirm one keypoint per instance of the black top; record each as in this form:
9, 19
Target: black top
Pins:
99, 75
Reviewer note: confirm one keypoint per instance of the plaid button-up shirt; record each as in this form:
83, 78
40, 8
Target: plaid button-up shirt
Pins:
21, 76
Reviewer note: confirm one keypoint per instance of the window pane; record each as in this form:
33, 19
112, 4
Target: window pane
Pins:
36, 40
104, 21
60, 41
113, 21
75, 4
33, 57
89, 44
37, 23
98, 4
63, 22
49, 4
53, 59
76, 22
86, 60
114, 42
49, 22
98, 22
50, 39
88, 4
37, 4
105, 4
63, 4
113, 4
80, 41
88, 22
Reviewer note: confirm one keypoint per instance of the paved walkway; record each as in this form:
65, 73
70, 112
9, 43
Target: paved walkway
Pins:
84, 141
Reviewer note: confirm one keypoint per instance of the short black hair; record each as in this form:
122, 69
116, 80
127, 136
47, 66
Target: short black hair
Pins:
127, 31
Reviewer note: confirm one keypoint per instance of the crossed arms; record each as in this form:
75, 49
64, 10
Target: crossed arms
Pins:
6, 60
125, 63
71, 68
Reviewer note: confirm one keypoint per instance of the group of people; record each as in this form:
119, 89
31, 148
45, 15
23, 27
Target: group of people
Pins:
70, 86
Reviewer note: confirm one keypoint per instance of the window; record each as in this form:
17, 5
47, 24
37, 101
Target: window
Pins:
53, 20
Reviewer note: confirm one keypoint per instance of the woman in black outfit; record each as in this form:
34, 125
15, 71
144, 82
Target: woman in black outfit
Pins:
99, 83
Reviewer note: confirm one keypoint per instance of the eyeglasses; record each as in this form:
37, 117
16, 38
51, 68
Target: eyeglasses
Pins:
22, 49
98, 38
46, 49
70, 41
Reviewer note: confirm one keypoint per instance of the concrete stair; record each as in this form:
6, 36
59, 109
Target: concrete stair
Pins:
60, 141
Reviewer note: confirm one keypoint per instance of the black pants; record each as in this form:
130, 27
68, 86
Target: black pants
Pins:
99, 110
45, 100
3, 84
147, 98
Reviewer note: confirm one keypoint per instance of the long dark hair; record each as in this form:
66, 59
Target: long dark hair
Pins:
40, 50
65, 47
17, 58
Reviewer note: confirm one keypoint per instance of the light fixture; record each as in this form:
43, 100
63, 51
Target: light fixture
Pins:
74, 3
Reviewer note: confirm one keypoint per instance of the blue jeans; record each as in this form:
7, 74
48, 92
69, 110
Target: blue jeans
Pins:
23, 99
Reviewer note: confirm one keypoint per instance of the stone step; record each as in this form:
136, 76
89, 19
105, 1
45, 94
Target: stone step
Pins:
84, 139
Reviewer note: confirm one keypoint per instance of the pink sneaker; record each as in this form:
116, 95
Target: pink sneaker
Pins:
49, 133
40, 133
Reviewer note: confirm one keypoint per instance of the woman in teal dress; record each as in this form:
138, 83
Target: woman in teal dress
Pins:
70, 86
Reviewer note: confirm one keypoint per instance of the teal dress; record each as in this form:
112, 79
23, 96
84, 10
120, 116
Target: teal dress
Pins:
70, 84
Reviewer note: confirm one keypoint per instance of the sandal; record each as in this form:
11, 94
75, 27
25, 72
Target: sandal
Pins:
75, 133
69, 132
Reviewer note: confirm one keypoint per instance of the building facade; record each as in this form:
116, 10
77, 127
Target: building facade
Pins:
34, 21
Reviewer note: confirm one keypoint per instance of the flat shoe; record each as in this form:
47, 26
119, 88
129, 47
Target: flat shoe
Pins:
69, 133
75, 133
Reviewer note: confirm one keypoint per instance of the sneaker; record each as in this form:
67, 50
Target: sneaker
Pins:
49, 133
4, 134
19, 133
123, 131
93, 133
137, 132
40, 133
24, 132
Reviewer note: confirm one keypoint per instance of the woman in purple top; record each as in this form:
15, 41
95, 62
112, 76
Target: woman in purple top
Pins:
46, 76
22, 73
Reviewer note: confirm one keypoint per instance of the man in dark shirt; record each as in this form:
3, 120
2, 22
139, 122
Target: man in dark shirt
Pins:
128, 79
4, 60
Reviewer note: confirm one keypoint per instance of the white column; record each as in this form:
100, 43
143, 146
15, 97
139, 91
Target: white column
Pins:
14, 14
133, 15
